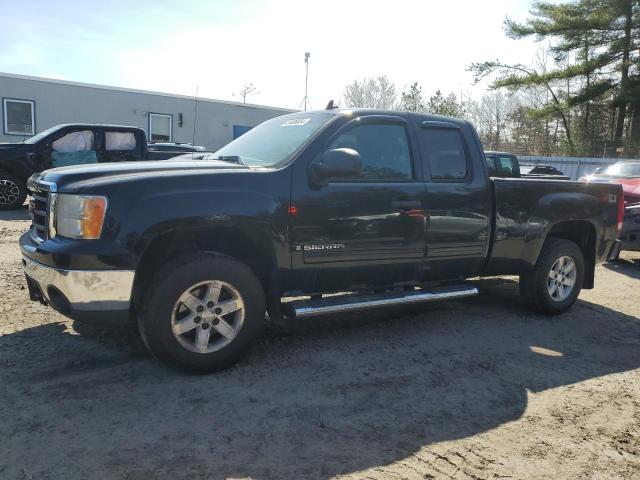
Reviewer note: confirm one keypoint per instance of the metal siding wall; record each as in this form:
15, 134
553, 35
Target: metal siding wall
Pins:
575, 167
57, 103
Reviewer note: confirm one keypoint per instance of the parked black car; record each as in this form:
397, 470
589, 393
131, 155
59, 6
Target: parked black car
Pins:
529, 170
506, 165
64, 145
394, 207
166, 150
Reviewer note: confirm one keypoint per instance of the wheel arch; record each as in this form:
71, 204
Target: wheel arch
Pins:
252, 247
584, 234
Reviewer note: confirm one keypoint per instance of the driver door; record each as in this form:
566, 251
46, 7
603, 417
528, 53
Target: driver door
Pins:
367, 230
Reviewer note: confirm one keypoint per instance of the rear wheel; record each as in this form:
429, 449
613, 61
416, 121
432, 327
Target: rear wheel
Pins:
13, 191
202, 313
554, 285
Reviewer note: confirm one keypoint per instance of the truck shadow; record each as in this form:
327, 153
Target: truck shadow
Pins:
626, 266
332, 396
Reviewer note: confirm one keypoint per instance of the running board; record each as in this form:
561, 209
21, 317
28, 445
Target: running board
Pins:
348, 303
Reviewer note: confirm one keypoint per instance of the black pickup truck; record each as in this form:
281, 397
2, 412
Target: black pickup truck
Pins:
379, 208
75, 144
67, 144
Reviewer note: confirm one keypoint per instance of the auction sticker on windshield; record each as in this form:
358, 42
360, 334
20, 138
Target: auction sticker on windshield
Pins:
295, 122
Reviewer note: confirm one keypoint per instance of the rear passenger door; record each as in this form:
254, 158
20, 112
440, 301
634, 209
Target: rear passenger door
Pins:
457, 199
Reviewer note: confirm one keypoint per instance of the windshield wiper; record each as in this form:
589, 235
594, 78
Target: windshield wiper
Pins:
231, 158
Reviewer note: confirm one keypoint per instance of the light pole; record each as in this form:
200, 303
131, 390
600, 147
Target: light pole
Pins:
306, 80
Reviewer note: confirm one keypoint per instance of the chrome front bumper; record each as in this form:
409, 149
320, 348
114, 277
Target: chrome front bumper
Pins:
81, 290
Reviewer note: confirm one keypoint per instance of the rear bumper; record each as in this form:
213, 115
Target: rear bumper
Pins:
80, 294
630, 233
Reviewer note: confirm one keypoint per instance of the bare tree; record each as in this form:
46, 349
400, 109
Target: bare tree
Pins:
375, 92
491, 116
246, 90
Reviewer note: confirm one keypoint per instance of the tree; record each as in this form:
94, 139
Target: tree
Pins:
412, 100
441, 105
375, 92
492, 116
595, 47
519, 77
246, 90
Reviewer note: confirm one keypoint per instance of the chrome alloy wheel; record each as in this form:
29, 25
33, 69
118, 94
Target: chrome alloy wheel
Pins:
208, 316
9, 192
562, 278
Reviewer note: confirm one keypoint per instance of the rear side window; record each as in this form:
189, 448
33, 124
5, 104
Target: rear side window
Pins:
444, 153
383, 148
120, 141
508, 166
491, 165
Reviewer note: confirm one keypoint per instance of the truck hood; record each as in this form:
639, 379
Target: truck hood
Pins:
74, 178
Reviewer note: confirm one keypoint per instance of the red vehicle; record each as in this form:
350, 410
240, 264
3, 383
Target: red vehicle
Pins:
627, 174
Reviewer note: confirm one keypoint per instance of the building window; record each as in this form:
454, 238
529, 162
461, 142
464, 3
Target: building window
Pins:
160, 126
19, 116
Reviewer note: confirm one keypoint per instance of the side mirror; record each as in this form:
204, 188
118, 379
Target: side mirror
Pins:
336, 163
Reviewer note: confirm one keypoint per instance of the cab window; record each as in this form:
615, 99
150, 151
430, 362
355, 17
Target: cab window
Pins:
508, 166
491, 165
383, 148
444, 153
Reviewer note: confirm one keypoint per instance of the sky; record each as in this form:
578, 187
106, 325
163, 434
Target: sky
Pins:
215, 47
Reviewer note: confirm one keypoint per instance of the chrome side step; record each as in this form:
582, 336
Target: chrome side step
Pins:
348, 303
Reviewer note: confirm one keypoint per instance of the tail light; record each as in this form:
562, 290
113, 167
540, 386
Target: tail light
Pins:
620, 211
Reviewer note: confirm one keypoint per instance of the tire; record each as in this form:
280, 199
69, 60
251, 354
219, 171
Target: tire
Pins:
164, 312
13, 191
536, 287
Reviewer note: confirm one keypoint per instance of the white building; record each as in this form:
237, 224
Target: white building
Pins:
32, 104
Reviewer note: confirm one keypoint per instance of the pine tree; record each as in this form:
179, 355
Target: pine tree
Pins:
594, 44
412, 100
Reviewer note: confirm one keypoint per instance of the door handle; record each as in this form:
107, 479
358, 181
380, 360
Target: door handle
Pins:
406, 204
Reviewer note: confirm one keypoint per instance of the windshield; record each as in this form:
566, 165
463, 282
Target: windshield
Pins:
273, 141
624, 169
41, 135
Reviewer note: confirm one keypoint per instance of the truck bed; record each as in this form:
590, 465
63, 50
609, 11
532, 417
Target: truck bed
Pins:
526, 210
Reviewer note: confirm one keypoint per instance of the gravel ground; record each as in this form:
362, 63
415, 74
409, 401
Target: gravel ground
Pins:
478, 389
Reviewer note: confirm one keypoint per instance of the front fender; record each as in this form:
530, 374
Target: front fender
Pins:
259, 215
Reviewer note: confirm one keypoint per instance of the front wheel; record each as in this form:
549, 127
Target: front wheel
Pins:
555, 283
202, 313
13, 191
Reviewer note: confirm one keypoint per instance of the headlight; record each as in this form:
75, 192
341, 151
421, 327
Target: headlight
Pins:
79, 216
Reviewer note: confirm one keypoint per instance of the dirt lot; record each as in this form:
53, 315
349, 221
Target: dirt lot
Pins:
479, 388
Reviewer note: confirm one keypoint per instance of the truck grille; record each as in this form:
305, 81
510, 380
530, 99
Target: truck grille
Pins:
39, 210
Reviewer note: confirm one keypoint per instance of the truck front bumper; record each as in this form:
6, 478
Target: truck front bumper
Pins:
80, 294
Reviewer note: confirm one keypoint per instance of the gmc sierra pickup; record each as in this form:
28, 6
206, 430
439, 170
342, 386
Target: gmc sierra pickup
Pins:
387, 208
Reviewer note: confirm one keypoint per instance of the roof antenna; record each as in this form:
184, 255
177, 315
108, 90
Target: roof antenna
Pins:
195, 116
330, 105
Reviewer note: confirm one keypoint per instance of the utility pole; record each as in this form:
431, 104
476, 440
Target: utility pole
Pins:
305, 100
